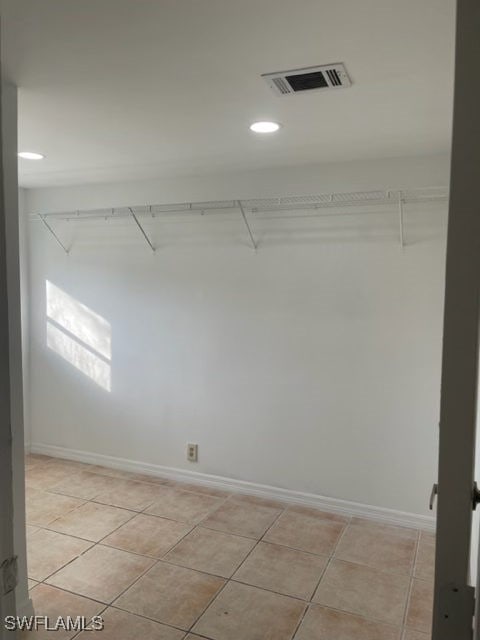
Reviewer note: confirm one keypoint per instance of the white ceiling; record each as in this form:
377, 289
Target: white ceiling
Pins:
126, 89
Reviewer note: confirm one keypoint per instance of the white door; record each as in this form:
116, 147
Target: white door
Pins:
453, 617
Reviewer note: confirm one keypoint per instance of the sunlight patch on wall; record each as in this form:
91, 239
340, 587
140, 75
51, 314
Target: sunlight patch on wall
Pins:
79, 335
79, 320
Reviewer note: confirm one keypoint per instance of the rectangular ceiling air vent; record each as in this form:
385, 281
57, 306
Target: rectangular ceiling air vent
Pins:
329, 76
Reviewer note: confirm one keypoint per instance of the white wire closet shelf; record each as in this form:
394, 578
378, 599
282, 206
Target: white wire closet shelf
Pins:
325, 204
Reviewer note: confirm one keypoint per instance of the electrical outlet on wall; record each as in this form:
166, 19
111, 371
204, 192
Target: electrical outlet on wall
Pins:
192, 452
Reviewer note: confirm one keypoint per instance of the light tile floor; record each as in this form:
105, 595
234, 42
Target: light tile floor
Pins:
169, 561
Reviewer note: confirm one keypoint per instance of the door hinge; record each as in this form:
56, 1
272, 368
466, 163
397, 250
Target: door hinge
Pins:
475, 496
456, 610
8, 573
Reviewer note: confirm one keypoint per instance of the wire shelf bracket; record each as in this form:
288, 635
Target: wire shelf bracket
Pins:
47, 226
400, 220
147, 239
249, 229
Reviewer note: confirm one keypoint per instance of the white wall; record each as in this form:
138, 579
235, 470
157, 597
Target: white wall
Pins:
429, 171
24, 303
313, 364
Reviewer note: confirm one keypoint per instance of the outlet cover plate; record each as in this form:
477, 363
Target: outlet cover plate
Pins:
192, 452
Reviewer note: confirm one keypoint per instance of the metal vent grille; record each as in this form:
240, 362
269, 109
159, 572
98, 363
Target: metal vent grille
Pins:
331, 76
281, 85
334, 77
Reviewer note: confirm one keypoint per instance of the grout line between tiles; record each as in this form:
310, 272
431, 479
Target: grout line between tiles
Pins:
261, 539
100, 613
144, 617
410, 585
409, 597
228, 580
320, 579
134, 582
332, 555
143, 555
103, 537
66, 564
397, 627
73, 593
278, 593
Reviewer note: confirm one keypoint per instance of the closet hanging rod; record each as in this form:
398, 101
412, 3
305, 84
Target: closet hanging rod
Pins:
272, 214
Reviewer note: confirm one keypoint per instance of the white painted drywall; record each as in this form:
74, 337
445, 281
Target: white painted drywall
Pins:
312, 364
24, 297
418, 171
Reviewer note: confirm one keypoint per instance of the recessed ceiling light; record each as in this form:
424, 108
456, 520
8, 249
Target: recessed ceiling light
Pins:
31, 155
265, 127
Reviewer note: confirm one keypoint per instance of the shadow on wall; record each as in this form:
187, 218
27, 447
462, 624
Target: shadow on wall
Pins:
79, 335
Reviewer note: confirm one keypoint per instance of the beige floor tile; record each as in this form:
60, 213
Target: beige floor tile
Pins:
206, 491
172, 595
286, 571
306, 533
107, 471
415, 635
318, 513
420, 608
128, 475
72, 464
30, 530
131, 495
242, 518
92, 521
102, 573
241, 612
428, 535
261, 502
211, 551
377, 547
84, 484
46, 476
365, 591
326, 624
32, 459
43, 476
31, 583
144, 477
148, 535
183, 506
405, 532
49, 551
43, 507
121, 625
425, 561
51, 602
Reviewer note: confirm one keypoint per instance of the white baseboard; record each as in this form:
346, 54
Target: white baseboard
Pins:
334, 505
